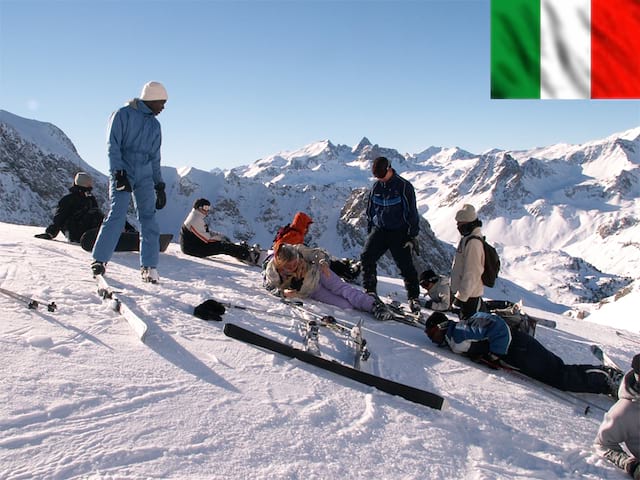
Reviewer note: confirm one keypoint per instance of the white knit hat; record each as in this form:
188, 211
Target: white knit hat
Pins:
466, 214
83, 179
153, 91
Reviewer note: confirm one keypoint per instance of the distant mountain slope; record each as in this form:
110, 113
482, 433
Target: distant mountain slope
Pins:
37, 166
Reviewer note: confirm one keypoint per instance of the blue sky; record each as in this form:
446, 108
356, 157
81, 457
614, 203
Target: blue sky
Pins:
247, 79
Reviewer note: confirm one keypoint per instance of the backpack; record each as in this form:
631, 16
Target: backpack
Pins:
491, 262
282, 231
512, 313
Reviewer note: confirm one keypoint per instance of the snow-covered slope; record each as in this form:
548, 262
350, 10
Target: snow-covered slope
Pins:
83, 398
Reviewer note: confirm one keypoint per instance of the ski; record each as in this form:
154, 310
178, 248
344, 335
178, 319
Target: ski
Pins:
401, 315
545, 322
604, 358
407, 392
32, 303
311, 333
628, 337
582, 404
106, 292
353, 335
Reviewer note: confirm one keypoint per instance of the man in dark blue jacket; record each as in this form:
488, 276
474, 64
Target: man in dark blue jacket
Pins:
393, 225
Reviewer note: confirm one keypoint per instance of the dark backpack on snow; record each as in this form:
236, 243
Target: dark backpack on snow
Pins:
512, 313
491, 262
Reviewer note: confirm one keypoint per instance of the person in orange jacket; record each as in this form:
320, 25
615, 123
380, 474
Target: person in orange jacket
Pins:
294, 233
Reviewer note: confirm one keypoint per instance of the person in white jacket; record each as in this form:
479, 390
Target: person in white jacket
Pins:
438, 289
468, 264
618, 438
197, 240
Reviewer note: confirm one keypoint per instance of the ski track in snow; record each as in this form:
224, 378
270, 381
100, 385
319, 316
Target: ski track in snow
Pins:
82, 397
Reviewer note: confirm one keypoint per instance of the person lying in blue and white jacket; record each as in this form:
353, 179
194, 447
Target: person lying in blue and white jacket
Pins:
486, 337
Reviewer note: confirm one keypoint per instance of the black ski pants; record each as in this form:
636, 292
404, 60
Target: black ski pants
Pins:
378, 242
240, 252
531, 357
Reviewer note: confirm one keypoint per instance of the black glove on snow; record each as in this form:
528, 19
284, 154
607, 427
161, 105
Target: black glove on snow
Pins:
161, 197
45, 236
210, 310
122, 182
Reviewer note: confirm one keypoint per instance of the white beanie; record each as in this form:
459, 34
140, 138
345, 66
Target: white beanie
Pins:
153, 91
83, 179
466, 214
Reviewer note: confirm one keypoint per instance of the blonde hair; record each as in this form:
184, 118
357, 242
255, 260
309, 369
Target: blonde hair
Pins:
285, 253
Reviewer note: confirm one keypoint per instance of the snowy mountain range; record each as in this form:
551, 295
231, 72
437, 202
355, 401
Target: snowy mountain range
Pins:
565, 218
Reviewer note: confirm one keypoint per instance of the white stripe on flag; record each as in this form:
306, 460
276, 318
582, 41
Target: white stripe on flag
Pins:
565, 48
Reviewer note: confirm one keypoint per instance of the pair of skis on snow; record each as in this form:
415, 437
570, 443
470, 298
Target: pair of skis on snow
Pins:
308, 355
104, 291
310, 329
31, 303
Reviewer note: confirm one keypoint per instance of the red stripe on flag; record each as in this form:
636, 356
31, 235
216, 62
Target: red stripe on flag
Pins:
615, 49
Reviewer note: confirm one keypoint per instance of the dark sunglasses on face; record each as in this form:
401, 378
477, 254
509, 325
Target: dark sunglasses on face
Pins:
435, 329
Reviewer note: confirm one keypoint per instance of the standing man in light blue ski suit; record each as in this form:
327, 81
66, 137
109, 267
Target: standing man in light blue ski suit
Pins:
133, 141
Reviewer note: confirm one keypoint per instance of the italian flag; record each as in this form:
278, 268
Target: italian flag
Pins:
565, 49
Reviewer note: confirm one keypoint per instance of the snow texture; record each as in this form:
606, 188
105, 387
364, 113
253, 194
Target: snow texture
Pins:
82, 397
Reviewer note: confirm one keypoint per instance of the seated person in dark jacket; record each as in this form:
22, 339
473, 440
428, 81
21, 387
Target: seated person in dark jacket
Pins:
197, 240
486, 337
77, 211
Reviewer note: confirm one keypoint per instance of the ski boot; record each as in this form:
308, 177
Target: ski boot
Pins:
149, 275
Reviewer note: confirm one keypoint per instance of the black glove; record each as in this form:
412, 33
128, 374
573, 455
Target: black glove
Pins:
457, 302
161, 197
413, 245
122, 182
296, 283
491, 360
210, 310
428, 304
45, 236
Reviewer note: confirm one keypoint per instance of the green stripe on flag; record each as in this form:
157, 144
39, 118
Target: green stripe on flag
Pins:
515, 49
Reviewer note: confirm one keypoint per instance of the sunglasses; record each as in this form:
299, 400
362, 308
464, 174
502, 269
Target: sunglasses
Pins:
206, 208
437, 328
381, 175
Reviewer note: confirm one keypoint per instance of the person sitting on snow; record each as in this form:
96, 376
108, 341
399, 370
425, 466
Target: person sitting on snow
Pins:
77, 211
300, 271
294, 234
198, 241
486, 338
438, 288
621, 425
